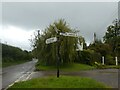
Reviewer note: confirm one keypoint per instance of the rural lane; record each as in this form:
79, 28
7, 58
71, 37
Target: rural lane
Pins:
17, 73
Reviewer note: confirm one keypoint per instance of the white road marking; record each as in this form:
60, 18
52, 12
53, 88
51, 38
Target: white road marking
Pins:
20, 78
28, 76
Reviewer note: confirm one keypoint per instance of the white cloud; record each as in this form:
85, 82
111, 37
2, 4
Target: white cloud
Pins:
16, 36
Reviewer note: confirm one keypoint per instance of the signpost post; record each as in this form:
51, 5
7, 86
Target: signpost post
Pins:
58, 53
57, 39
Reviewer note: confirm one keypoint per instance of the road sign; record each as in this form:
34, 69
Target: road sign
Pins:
51, 40
69, 34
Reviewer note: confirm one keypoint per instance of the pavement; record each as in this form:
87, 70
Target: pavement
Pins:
17, 73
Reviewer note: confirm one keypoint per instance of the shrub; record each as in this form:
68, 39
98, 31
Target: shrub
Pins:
109, 60
88, 57
100, 66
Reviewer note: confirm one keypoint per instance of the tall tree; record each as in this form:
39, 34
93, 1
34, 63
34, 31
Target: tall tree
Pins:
46, 53
112, 36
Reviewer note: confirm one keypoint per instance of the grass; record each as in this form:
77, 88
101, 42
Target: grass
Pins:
61, 82
6, 64
66, 67
108, 67
113, 66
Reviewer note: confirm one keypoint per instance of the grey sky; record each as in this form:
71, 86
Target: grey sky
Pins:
88, 17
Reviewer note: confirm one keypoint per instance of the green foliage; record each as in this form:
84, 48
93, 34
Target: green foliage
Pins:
109, 60
100, 66
46, 53
112, 37
13, 54
61, 82
88, 57
10, 63
102, 48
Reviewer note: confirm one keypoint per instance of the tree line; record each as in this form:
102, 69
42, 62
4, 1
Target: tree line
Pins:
46, 53
11, 54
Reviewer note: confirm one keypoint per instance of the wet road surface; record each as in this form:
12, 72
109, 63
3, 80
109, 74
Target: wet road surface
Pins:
17, 73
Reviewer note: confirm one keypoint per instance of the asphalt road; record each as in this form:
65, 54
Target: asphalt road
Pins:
17, 73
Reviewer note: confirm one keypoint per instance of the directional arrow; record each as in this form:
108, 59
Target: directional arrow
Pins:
51, 40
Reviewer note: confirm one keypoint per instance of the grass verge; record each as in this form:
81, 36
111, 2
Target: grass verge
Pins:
108, 67
6, 64
61, 82
66, 67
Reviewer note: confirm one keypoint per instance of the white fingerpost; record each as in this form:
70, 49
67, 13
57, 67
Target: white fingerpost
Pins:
116, 61
103, 60
51, 40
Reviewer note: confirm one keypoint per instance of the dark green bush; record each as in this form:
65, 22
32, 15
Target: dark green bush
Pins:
109, 60
11, 53
99, 65
88, 57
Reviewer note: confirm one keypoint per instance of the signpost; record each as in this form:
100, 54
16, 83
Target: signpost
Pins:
69, 34
58, 54
51, 40
56, 39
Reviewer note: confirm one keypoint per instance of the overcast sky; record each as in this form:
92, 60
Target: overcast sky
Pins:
21, 19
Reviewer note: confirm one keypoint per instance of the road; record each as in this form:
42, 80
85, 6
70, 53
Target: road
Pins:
17, 73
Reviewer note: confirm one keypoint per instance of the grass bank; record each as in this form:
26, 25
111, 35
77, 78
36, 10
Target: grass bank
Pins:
10, 63
61, 82
66, 67
108, 67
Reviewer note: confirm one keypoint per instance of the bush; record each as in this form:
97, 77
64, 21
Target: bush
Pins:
11, 53
88, 57
109, 60
100, 66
